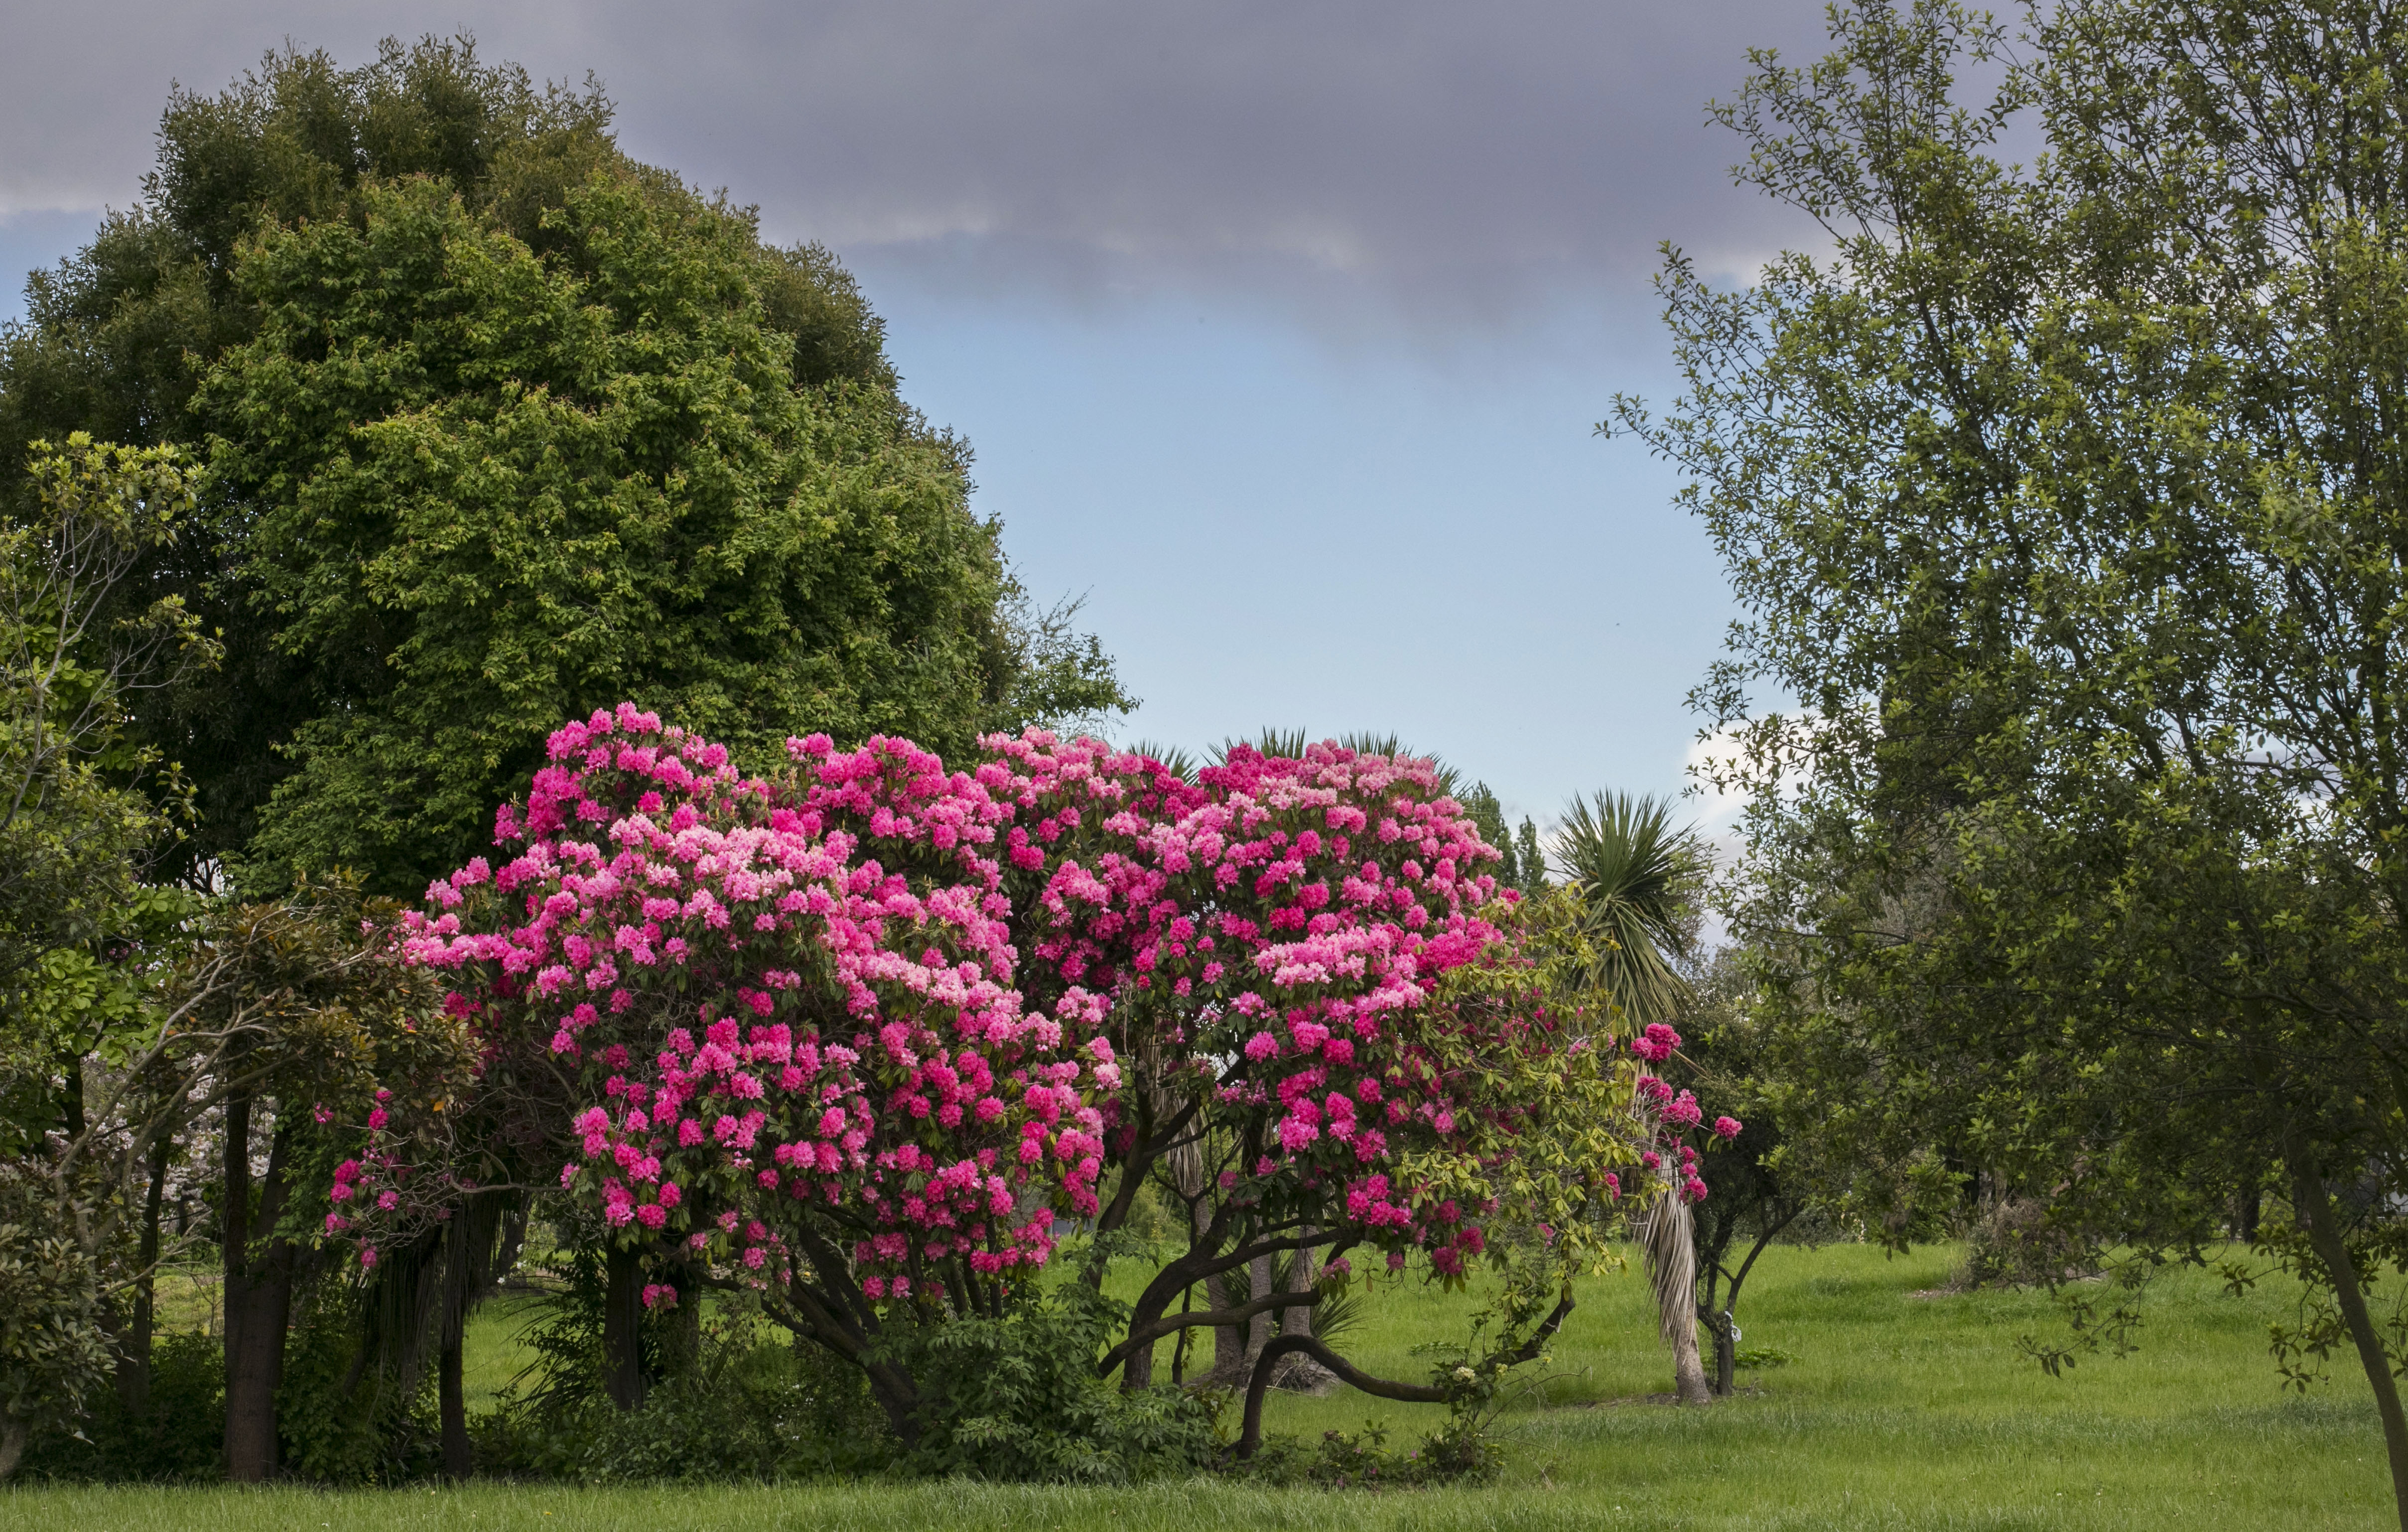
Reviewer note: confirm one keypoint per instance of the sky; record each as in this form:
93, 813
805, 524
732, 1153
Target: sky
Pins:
1279, 330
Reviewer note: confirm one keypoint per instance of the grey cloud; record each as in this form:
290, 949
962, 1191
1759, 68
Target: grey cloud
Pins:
1465, 155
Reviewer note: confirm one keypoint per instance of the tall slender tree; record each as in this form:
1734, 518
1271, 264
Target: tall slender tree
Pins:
1636, 879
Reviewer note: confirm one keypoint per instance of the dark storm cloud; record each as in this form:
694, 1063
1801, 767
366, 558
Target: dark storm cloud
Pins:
1463, 155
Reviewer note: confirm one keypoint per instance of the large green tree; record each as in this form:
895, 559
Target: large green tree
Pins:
504, 425
2064, 498
478, 488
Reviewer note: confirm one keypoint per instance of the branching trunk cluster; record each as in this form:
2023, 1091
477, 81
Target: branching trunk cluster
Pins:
1232, 1250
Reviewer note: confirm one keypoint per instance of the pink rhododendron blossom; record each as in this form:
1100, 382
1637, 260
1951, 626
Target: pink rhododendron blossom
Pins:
1657, 1043
873, 1019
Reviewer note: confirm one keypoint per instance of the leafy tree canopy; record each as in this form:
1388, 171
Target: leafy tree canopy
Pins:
504, 425
2064, 494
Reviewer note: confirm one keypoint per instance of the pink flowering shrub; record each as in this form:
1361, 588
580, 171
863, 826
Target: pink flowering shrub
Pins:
852, 1032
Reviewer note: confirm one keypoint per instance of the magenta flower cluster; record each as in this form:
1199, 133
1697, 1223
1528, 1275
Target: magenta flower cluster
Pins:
1673, 1115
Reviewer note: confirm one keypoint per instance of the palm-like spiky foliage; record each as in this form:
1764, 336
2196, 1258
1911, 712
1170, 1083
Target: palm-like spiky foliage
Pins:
1633, 873
1269, 740
1176, 761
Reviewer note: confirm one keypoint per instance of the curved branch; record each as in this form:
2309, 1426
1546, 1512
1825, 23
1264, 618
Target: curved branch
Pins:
1347, 1373
1192, 1268
1147, 1334
1355, 1377
1528, 1350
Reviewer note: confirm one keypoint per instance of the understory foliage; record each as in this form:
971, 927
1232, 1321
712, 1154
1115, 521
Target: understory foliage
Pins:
1016, 1396
178, 1436
734, 1400
51, 1345
83, 809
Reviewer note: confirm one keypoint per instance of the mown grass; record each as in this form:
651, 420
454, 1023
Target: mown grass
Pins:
1901, 1411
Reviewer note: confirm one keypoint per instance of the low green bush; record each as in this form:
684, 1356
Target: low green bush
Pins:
340, 1419
1016, 1398
750, 1408
179, 1438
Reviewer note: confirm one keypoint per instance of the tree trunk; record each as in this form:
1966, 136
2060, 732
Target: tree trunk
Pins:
452, 1404
1180, 1344
623, 1312
257, 1317
71, 1095
2315, 1208
1300, 1372
1258, 1329
1688, 1371
1228, 1340
506, 1259
258, 1301
1672, 1263
1298, 1321
1727, 1331
13, 1433
133, 1351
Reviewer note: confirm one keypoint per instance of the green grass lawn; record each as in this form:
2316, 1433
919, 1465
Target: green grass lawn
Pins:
1901, 1411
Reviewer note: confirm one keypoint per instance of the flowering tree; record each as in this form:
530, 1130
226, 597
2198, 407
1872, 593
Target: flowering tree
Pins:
852, 1033
1274, 936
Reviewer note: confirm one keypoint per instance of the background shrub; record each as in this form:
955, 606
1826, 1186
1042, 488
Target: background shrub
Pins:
750, 1406
2012, 1244
343, 1420
1018, 1399
179, 1438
